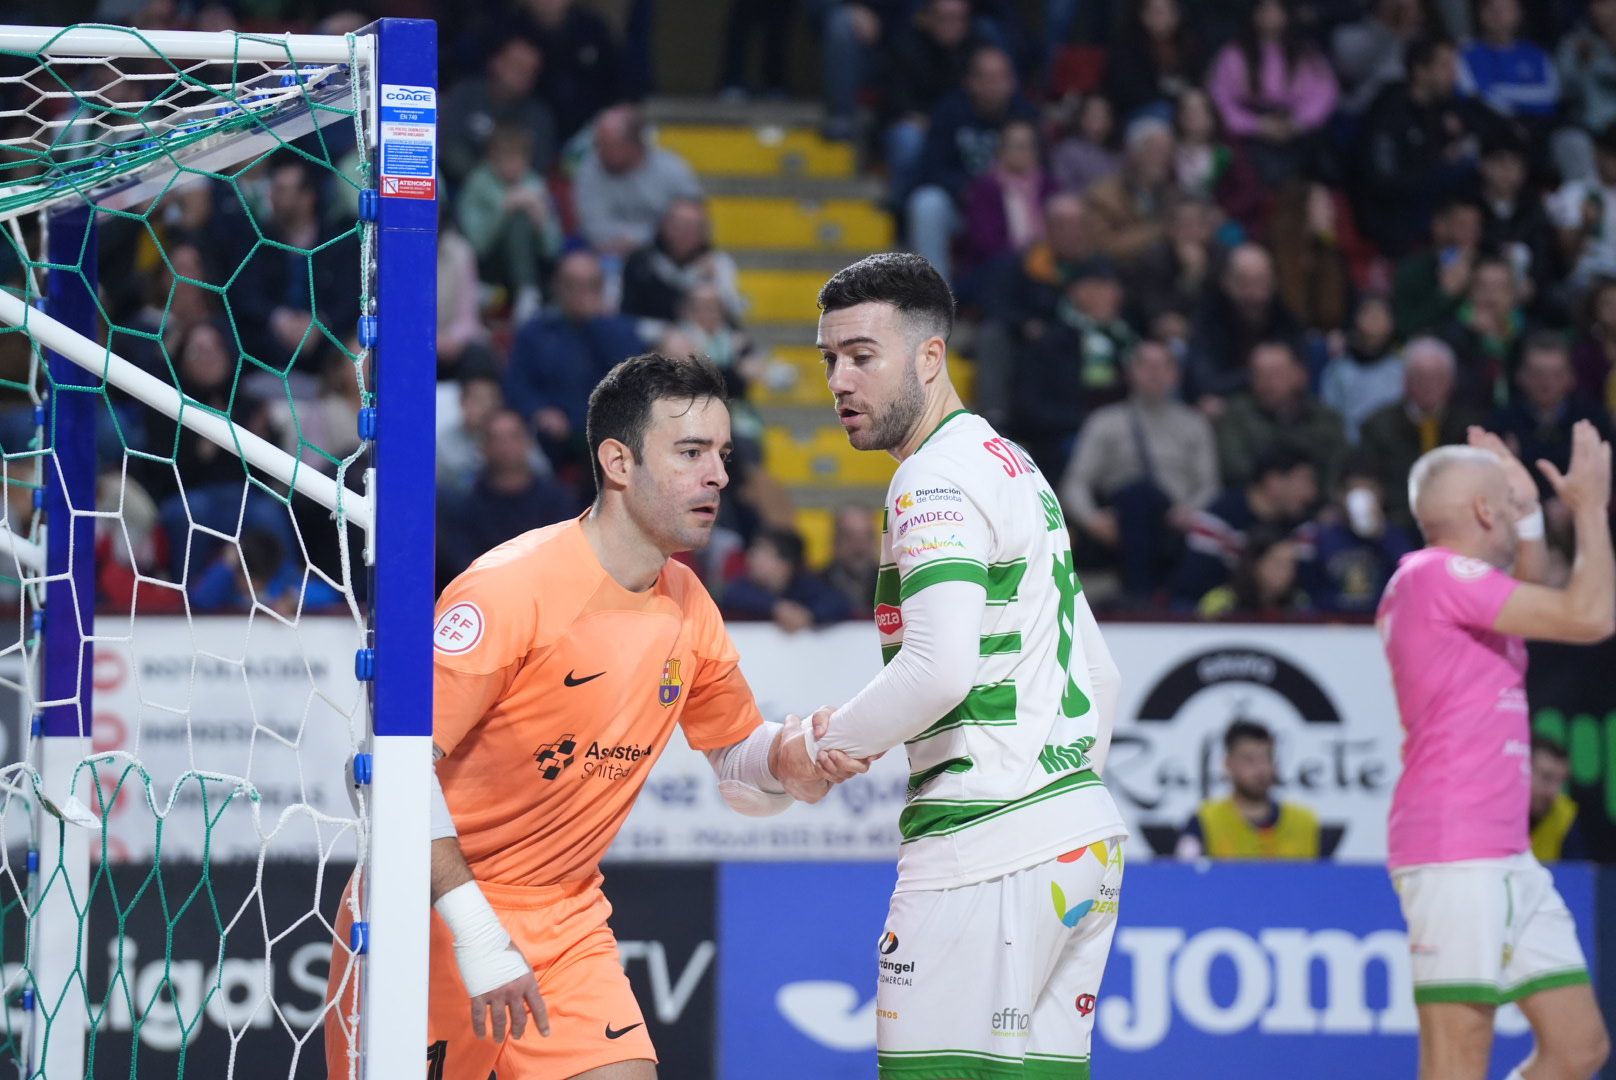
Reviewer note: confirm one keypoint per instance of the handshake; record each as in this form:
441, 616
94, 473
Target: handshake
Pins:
807, 778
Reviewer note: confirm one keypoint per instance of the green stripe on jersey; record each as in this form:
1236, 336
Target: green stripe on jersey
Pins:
918, 780
1004, 581
990, 645
930, 573
1000, 644
993, 705
939, 817
886, 585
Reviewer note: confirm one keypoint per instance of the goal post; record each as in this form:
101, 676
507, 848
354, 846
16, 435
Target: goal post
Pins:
121, 127
401, 866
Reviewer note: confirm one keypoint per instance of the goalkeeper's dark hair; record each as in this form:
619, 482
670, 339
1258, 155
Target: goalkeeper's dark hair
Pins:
907, 282
620, 406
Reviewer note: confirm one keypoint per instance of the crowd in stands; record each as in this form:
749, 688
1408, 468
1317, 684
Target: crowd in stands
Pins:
1230, 268
1225, 270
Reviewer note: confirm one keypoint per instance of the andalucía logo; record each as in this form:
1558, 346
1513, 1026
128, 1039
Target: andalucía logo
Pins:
668, 689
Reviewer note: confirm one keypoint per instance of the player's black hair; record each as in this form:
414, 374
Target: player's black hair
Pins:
620, 406
1241, 730
907, 282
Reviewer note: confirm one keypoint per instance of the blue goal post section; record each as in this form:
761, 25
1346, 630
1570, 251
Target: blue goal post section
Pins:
211, 108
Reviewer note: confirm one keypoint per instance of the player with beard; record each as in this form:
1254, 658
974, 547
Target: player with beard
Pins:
1249, 823
1001, 691
563, 660
1485, 924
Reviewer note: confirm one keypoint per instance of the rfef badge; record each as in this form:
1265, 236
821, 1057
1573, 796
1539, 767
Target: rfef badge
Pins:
409, 141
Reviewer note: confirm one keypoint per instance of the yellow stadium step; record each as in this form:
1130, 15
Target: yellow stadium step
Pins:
817, 527
799, 382
782, 296
750, 223
823, 459
728, 150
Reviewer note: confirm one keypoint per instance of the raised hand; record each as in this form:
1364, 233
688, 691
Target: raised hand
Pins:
1585, 485
1522, 488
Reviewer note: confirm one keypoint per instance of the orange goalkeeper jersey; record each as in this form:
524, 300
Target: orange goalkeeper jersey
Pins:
556, 690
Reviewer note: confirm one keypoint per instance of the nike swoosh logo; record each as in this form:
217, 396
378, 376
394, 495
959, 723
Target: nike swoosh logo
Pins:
570, 681
618, 1034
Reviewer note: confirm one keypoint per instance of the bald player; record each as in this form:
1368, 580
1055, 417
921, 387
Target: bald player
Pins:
1485, 924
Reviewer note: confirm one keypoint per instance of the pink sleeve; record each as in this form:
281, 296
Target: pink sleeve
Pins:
1313, 93
1228, 87
1472, 591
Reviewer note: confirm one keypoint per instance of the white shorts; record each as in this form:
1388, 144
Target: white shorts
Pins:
1487, 931
998, 979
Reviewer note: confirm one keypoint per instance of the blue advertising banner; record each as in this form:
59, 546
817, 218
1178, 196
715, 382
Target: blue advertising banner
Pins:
1221, 972
796, 968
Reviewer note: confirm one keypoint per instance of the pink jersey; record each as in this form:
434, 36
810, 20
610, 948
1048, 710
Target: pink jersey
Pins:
1461, 690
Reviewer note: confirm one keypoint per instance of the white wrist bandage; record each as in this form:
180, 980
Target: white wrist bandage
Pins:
744, 779
1530, 527
483, 950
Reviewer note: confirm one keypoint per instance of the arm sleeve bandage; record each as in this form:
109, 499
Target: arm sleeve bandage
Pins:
942, 628
744, 779
483, 950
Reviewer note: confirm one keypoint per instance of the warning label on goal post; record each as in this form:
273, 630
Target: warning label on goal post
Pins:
409, 142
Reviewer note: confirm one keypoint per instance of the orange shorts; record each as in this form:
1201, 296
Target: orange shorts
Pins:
561, 929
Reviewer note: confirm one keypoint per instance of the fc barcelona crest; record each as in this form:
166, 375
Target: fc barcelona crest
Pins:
668, 689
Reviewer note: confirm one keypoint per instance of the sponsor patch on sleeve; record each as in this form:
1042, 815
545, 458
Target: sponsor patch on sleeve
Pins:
921, 497
931, 518
1464, 568
459, 629
923, 547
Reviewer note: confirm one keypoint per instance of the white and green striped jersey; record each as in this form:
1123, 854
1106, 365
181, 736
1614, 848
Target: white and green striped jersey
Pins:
1002, 781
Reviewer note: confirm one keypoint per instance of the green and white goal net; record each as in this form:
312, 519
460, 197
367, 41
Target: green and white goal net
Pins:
199, 596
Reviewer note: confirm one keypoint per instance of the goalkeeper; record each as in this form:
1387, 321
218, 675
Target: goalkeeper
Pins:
564, 658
